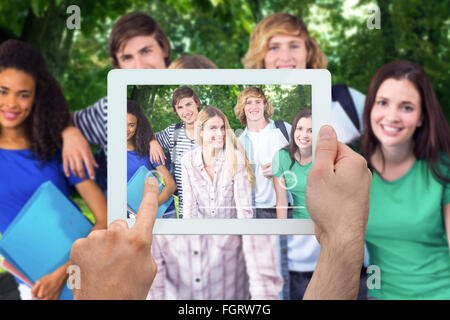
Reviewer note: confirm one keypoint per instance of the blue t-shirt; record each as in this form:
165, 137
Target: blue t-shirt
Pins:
134, 162
21, 175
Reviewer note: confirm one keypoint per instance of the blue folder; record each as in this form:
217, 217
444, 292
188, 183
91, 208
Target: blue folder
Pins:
40, 238
135, 191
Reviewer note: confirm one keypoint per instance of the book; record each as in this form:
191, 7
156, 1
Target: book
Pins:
39, 239
135, 191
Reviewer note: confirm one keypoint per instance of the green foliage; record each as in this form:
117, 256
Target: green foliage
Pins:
219, 29
156, 101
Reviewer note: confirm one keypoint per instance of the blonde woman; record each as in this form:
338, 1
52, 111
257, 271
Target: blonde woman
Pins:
217, 176
216, 180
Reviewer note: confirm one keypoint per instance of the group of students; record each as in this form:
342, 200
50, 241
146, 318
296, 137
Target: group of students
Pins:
404, 138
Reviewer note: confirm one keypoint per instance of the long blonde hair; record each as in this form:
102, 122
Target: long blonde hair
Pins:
281, 23
231, 142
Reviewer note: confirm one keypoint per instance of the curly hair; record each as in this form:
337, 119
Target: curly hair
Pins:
49, 113
144, 133
281, 23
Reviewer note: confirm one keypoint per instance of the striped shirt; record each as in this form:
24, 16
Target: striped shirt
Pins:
92, 123
166, 138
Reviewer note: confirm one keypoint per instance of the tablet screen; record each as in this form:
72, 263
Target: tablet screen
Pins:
237, 152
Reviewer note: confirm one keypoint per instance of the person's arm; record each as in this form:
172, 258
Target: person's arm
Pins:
280, 185
282, 201
170, 185
89, 127
117, 263
75, 152
447, 221
337, 197
162, 140
49, 287
156, 153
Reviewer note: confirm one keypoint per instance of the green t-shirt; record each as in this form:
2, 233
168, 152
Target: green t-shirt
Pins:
295, 180
406, 235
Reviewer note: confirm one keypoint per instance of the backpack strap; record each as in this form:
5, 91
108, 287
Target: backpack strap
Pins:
279, 124
341, 93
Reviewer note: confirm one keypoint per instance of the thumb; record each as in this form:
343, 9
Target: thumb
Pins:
146, 216
326, 149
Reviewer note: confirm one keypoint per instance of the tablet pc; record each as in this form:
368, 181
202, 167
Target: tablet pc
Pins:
319, 82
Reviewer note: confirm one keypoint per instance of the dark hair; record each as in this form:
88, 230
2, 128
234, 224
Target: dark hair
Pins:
49, 114
432, 137
184, 92
292, 147
132, 25
144, 133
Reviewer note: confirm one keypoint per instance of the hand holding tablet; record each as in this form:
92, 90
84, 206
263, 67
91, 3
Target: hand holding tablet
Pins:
319, 84
116, 263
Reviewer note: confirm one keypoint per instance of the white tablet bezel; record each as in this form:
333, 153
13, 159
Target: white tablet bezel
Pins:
119, 79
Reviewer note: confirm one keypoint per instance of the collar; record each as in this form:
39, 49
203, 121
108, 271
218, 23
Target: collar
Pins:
198, 159
271, 124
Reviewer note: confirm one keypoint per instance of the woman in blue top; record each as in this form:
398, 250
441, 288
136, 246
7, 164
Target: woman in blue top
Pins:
139, 133
406, 143
33, 113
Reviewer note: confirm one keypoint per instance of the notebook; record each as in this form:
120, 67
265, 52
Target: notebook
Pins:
40, 238
135, 190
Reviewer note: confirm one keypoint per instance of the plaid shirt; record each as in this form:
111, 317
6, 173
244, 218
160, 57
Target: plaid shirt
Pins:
210, 267
225, 197
216, 267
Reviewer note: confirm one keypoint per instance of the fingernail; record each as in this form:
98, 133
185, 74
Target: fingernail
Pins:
326, 132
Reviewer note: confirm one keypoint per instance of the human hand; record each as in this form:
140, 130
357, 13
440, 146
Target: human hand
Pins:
267, 170
116, 263
75, 151
49, 287
337, 191
156, 153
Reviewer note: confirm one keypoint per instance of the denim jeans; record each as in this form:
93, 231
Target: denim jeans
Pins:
9, 288
298, 282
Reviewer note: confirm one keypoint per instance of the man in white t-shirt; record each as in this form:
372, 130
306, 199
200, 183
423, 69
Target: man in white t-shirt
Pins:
262, 138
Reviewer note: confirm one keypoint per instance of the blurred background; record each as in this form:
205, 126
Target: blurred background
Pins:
219, 29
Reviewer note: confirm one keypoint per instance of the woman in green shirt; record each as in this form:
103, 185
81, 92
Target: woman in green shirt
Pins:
406, 143
291, 165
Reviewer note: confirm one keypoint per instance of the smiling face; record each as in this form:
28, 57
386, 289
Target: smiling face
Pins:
286, 52
303, 135
141, 52
17, 91
254, 109
396, 113
187, 110
213, 133
131, 126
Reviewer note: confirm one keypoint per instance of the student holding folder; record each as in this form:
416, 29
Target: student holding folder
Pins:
33, 113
